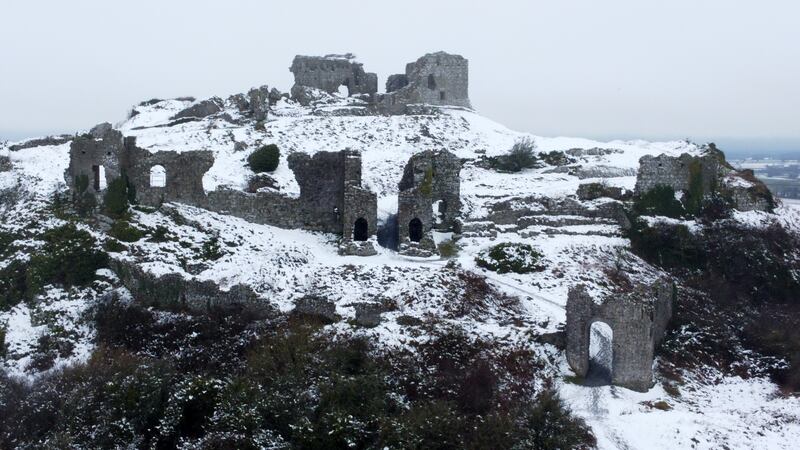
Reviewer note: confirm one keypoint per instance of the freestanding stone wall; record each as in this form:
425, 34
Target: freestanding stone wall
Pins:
330, 72
430, 177
439, 79
183, 174
638, 320
676, 172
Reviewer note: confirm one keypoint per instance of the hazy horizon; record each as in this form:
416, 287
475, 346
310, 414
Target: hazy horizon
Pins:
716, 70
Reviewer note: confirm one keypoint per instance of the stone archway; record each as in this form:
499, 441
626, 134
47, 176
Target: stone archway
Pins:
361, 229
158, 176
601, 354
415, 230
637, 320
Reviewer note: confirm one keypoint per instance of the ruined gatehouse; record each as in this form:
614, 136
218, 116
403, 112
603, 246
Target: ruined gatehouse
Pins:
638, 320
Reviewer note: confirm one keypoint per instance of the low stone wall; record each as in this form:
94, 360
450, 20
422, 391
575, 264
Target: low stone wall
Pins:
515, 210
267, 208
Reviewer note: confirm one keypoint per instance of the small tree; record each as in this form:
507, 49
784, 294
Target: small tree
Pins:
265, 159
117, 196
521, 156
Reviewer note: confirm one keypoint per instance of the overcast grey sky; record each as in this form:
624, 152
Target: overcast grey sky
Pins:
726, 70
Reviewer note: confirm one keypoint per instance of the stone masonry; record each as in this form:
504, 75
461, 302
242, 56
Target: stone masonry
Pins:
329, 72
638, 320
331, 199
93, 155
664, 170
707, 173
439, 79
430, 178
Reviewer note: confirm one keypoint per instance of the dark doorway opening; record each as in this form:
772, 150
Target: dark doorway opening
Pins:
415, 230
361, 230
387, 232
431, 82
96, 177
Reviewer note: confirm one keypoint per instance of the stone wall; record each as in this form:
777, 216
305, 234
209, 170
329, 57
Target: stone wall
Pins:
322, 179
88, 153
429, 177
331, 197
439, 79
638, 320
710, 173
330, 72
676, 172
184, 174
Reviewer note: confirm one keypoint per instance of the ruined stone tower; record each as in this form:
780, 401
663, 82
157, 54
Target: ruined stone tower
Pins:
429, 199
439, 79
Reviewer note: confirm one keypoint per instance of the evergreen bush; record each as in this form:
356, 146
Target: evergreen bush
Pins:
68, 257
125, 232
265, 159
510, 257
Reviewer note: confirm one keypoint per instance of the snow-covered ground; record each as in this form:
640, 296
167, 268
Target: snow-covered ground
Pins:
283, 265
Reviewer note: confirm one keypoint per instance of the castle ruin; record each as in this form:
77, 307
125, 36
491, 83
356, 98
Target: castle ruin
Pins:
704, 175
435, 79
330, 72
439, 79
428, 199
331, 198
638, 320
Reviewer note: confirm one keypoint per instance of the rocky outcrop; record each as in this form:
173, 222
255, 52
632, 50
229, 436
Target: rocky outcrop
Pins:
5, 163
258, 102
40, 142
201, 109
174, 291
316, 306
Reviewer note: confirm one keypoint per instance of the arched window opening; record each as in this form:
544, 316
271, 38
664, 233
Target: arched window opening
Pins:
415, 230
158, 176
431, 82
361, 230
601, 354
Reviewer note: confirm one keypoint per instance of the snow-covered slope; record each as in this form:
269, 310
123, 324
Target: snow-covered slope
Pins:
283, 265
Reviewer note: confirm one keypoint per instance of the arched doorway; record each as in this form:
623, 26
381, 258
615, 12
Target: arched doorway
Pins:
415, 230
361, 230
601, 354
158, 176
